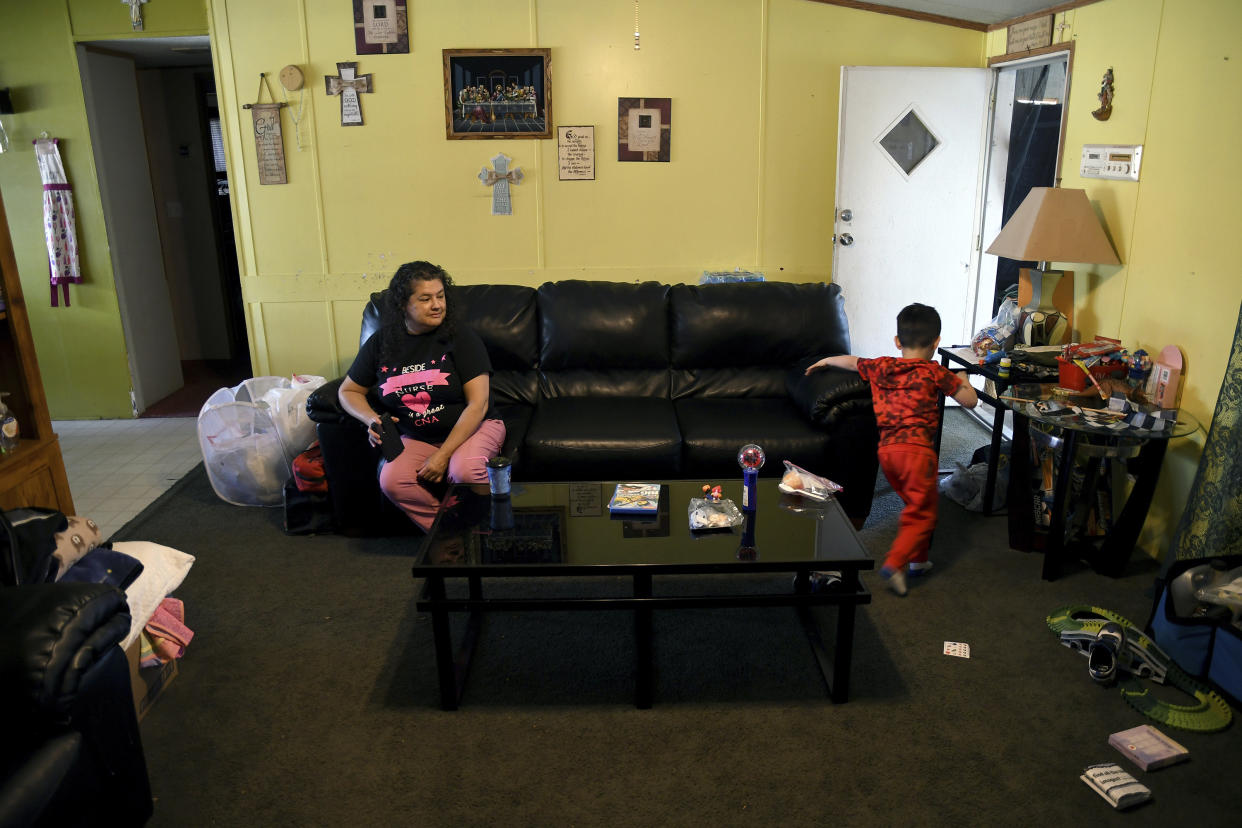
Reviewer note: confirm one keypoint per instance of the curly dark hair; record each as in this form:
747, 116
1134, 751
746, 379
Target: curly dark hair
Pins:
401, 288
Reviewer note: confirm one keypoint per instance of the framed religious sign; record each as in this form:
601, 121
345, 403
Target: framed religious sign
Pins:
381, 27
498, 93
644, 129
1028, 34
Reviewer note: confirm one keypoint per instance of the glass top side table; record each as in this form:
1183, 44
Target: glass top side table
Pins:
1107, 452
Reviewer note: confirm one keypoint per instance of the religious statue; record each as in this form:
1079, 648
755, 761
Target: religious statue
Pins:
1105, 96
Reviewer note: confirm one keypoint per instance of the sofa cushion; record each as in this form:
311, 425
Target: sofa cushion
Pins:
603, 339
726, 339
713, 430
504, 318
599, 438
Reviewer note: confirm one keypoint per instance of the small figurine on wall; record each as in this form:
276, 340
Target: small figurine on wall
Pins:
1105, 96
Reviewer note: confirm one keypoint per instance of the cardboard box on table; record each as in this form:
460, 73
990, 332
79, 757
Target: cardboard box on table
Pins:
1164, 384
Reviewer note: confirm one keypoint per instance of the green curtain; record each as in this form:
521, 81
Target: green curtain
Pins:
1211, 524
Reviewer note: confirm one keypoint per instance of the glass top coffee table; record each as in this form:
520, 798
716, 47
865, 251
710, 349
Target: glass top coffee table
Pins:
564, 531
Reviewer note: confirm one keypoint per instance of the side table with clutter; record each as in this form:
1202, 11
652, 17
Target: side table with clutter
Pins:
1088, 452
1091, 424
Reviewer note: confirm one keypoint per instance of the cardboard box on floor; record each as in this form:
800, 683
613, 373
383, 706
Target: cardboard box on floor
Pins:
148, 682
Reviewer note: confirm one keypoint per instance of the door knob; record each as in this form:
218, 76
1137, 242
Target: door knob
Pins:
847, 215
846, 239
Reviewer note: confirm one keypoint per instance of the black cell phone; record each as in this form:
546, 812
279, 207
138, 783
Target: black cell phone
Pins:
390, 439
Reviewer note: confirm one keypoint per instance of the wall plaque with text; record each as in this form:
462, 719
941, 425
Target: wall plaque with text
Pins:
575, 153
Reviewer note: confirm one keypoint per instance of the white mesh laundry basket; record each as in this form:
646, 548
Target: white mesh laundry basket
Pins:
246, 458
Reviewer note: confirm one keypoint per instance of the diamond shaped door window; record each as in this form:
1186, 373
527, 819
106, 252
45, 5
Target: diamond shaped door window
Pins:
909, 142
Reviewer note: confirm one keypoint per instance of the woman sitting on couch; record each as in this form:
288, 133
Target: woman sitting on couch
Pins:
433, 382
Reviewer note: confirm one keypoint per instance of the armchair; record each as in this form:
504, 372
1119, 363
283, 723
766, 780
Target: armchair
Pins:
71, 753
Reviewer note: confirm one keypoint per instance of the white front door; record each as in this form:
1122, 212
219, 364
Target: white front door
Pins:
911, 147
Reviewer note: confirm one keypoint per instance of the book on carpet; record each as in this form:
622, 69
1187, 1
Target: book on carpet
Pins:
635, 499
1119, 789
1147, 747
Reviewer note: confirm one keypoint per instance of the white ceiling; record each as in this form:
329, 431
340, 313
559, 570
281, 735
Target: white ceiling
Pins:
976, 11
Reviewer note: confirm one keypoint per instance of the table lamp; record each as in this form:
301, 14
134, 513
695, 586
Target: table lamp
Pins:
1052, 225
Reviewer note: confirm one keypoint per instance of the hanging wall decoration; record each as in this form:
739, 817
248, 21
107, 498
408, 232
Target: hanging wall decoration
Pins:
1105, 96
498, 179
269, 142
135, 13
498, 93
59, 221
381, 27
348, 84
292, 80
575, 153
644, 129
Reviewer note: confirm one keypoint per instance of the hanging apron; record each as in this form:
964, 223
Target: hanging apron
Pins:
59, 222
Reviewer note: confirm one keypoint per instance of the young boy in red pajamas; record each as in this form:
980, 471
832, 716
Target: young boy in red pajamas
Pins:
906, 393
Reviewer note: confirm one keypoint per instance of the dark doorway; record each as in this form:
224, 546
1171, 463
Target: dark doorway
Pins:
1034, 146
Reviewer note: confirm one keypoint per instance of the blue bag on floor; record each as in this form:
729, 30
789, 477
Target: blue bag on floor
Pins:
1197, 620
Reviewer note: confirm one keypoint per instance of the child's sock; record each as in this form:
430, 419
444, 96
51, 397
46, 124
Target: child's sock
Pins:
896, 579
920, 567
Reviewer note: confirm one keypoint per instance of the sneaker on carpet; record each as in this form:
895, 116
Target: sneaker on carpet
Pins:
920, 568
896, 579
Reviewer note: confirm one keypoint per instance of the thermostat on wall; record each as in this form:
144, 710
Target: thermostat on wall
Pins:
1119, 162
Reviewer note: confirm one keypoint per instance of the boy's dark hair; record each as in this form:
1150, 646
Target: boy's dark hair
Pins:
918, 326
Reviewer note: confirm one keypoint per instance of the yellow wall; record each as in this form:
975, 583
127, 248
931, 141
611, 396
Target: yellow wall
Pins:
1178, 79
754, 86
81, 348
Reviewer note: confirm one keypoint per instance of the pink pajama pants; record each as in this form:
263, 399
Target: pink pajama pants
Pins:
398, 478
913, 472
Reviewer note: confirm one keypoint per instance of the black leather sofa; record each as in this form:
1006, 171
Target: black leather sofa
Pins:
70, 753
628, 381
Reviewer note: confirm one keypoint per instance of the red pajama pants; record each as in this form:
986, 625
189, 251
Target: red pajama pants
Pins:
399, 478
913, 472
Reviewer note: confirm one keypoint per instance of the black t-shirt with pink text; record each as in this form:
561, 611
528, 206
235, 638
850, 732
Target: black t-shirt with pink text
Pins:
423, 384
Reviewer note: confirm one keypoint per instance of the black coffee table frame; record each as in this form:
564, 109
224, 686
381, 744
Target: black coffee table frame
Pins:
453, 665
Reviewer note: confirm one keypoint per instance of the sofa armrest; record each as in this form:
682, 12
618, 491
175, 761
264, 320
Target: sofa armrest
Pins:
825, 396
51, 637
324, 404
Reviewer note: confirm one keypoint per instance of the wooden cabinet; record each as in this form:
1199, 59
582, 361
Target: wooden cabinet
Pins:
34, 473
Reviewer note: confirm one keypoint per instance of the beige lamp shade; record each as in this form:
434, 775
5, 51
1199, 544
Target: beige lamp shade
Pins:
1054, 225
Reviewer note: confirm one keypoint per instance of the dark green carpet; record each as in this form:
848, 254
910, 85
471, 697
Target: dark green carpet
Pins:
308, 697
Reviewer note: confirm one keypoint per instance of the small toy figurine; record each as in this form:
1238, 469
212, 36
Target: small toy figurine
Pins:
712, 493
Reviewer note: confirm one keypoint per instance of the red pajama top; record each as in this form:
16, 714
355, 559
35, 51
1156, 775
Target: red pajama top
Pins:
906, 394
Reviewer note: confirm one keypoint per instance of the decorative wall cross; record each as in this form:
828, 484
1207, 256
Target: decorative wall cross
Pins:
348, 83
135, 13
498, 179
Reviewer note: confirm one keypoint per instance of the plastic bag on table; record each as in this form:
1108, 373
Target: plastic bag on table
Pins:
1002, 331
798, 480
714, 514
